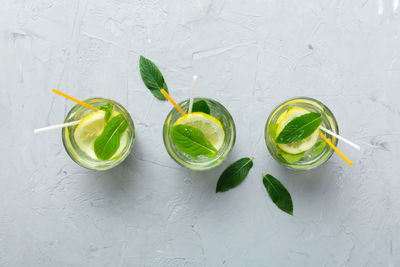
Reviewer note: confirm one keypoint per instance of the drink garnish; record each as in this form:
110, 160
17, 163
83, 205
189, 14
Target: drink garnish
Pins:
108, 142
272, 128
210, 126
201, 106
108, 108
234, 174
299, 128
191, 141
152, 77
291, 158
318, 148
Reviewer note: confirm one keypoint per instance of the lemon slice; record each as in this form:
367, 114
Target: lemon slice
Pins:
90, 128
299, 146
210, 126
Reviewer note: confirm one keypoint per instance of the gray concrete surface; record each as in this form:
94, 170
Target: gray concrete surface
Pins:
250, 56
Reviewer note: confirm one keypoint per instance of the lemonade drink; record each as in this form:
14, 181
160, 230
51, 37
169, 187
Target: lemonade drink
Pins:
82, 141
309, 152
201, 139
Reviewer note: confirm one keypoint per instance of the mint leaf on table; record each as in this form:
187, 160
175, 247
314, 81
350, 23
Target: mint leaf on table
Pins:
234, 174
299, 128
278, 193
201, 106
152, 77
108, 108
191, 141
108, 142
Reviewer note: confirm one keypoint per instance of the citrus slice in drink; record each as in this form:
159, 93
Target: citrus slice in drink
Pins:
209, 125
299, 146
90, 128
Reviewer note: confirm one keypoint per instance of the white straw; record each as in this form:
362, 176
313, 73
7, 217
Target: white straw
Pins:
192, 96
48, 128
340, 138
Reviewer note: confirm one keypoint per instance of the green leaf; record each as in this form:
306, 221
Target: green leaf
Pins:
272, 128
152, 77
201, 106
108, 108
319, 147
291, 158
299, 128
191, 141
234, 174
278, 193
108, 141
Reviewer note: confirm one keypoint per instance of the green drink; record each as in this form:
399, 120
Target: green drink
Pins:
309, 152
201, 139
103, 138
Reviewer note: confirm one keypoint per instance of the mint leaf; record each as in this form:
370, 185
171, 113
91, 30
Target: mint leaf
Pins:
108, 142
272, 128
278, 193
191, 141
152, 77
201, 106
318, 148
234, 174
108, 108
299, 128
291, 158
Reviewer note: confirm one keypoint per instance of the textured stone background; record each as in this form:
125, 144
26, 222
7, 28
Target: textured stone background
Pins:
249, 55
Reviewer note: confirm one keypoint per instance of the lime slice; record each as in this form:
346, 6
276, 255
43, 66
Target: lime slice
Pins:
90, 128
302, 145
210, 126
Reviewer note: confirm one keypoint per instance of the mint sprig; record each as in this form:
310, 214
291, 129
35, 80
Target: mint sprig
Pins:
108, 142
108, 108
192, 141
299, 128
201, 106
152, 77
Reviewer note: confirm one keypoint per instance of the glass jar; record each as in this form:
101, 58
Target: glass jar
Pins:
200, 162
316, 155
86, 157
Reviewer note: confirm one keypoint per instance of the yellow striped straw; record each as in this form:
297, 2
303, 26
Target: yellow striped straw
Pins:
173, 102
335, 148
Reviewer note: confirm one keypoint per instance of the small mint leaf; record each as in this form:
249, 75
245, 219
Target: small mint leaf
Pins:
201, 106
272, 128
291, 158
318, 148
108, 108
